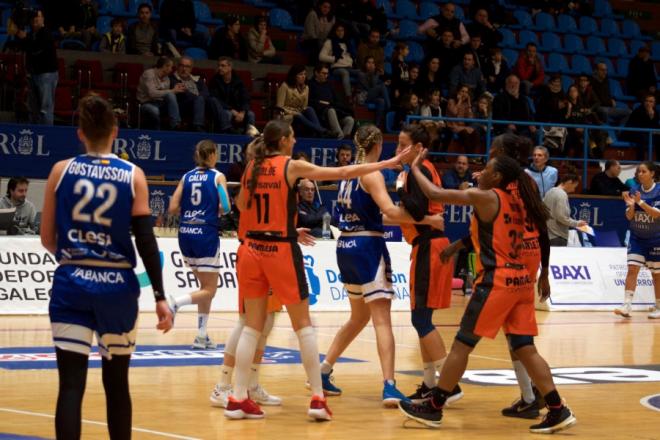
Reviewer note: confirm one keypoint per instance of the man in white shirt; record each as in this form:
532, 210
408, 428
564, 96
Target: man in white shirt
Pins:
556, 199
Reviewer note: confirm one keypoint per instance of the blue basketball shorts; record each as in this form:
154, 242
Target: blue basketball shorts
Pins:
89, 300
644, 253
200, 247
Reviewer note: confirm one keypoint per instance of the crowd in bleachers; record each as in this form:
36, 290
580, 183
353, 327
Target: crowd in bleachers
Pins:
546, 61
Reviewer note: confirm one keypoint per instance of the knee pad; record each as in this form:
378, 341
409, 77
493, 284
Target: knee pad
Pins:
467, 338
519, 341
422, 320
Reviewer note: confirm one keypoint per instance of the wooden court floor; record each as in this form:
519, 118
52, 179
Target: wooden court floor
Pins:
172, 402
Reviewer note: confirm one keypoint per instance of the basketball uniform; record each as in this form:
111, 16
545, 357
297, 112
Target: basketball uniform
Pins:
198, 230
503, 293
362, 256
644, 245
94, 287
430, 279
530, 253
270, 257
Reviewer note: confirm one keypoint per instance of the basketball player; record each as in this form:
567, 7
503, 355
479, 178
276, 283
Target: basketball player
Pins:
643, 212
91, 202
200, 198
271, 258
502, 297
364, 262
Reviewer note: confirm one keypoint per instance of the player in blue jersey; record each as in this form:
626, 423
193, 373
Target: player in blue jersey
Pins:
200, 198
364, 262
643, 211
91, 203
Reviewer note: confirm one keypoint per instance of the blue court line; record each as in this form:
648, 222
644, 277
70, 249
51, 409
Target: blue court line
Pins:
7, 436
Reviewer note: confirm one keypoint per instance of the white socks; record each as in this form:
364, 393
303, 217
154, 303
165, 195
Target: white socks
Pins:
629, 297
232, 342
326, 367
429, 375
247, 345
254, 375
268, 326
524, 382
225, 375
309, 352
183, 300
202, 321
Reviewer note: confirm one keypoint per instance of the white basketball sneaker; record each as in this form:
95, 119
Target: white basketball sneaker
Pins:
220, 395
261, 396
624, 310
655, 314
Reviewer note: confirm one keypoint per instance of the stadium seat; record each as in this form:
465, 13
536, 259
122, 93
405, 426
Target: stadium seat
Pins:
631, 30
195, 53
117, 9
63, 79
557, 63
406, 9
387, 7
523, 18
617, 92
389, 49
263, 4
280, 18
389, 122
72, 44
566, 24
595, 46
566, 82
544, 22
588, 26
635, 45
408, 31
428, 10
511, 56
609, 28
616, 48
103, 7
203, 14
460, 14
525, 37
550, 42
580, 64
91, 75
573, 44
508, 38
388, 68
103, 24
655, 51
622, 67
602, 8
416, 54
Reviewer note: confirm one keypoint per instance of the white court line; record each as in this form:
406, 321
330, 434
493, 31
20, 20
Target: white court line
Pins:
416, 347
92, 422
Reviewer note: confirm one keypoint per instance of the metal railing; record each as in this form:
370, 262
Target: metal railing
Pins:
491, 123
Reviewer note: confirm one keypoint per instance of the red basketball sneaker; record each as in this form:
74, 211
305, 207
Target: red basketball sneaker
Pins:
243, 409
318, 409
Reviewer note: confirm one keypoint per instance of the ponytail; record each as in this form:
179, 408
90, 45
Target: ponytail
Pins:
259, 149
366, 137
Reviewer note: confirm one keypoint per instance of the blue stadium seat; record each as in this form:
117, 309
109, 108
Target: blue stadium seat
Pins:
635, 45
609, 28
195, 53
264, 4
616, 48
203, 14
622, 67
103, 7
460, 14
408, 31
416, 54
655, 51
595, 45
557, 63
550, 42
388, 68
525, 37
511, 56
566, 24
406, 9
117, 9
3, 40
631, 30
588, 26
544, 22
103, 24
428, 10
204, 30
523, 18
617, 92
389, 122
566, 82
602, 8
580, 64
387, 7
573, 44
508, 38
280, 18
389, 49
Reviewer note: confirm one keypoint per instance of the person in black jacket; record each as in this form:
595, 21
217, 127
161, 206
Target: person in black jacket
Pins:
230, 103
193, 100
41, 59
309, 214
178, 22
228, 41
142, 36
644, 116
607, 182
323, 100
512, 106
642, 78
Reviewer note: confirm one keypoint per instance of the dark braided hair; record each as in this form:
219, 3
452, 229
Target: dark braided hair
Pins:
268, 142
514, 146
512, 172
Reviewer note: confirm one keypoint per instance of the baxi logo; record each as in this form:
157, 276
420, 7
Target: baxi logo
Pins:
312, 280
570, 273
144, 149
23, 145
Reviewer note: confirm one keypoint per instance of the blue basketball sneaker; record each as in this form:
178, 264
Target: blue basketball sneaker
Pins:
329, 388
391, 395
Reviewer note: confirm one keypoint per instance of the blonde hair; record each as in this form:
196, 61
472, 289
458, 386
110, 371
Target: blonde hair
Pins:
366, 137
203, 151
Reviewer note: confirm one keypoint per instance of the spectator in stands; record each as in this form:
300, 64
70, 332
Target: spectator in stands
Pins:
556, 199
310, 214
332, 115
178, 23
410, 106
230, 101
467, 74
432, 104
543, 174
142, 38
76, 20
362, 16
156, 95
607, 110
575, 113
642, 78
496, 71
551, 101
490, 36
400, 69
338, 52
373, 90
644, 116
41, 61
114, 41
446, 20
26, 214
445, 51
293, 102
372, 48
192, 101
260, 46
482, 110
459, 105
460, 176
413, 84
430, 77
589, 105
318, 24
477, 50
228, 41
87, 14
529, 69
344, 155
511, 106
607, 182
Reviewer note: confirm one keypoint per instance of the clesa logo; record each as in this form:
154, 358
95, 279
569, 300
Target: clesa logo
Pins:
144, 149
24, 144
312, 280
573, 273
